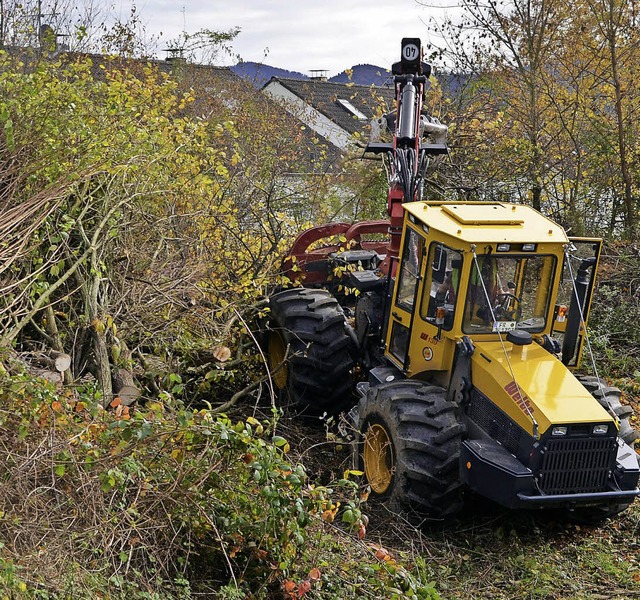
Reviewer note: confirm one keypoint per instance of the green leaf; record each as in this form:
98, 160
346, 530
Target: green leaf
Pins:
348, 517
8, 132
144, 431
107, 481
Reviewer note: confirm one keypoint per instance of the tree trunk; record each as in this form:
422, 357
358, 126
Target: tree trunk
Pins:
536, 200
102, 367
51, 325
630, 219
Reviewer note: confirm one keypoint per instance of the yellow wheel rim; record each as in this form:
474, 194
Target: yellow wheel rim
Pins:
378, 458
277, 351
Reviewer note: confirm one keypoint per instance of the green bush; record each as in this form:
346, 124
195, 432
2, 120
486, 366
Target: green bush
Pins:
165, 501
615, 310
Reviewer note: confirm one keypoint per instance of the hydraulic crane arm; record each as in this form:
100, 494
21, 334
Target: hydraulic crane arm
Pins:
407, 155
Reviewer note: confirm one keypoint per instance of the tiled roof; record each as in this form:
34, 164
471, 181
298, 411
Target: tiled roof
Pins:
325, 97
221, 74
186, 71
214, 89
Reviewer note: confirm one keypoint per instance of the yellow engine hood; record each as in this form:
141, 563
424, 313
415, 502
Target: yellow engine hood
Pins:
545, 387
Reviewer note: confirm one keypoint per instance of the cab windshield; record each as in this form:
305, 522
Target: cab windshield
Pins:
508, 292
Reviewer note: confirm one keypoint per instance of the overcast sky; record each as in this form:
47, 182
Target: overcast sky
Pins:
298, 35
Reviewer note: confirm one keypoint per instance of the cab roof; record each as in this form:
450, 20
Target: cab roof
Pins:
478, 222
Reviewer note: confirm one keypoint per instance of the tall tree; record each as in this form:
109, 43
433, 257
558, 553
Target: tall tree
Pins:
611, 35
517, 39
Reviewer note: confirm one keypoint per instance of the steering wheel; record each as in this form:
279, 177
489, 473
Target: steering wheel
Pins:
502, 306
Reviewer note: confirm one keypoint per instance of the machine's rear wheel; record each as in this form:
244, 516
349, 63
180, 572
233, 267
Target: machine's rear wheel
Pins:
309, 352
609, 399
409, 447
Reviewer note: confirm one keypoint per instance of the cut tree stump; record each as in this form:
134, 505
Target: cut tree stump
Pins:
124, 386
48, 375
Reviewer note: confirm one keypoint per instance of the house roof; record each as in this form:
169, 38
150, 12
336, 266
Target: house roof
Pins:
349, 106
200, 75
222, 75
214, 90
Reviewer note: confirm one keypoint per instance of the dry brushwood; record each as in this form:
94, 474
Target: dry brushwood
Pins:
57, 512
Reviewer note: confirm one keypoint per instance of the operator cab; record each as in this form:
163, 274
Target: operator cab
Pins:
472, 270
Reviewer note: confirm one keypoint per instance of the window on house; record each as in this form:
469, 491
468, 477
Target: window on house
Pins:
352, 109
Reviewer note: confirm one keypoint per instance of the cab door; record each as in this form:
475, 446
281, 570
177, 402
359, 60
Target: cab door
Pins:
433, 329
422, 314
574, 297
405, 297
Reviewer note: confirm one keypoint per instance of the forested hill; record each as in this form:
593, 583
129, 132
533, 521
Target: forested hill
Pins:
364, 75
259, 74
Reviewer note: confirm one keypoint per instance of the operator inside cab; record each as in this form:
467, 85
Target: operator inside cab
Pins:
507, 292
485, 288
446, 266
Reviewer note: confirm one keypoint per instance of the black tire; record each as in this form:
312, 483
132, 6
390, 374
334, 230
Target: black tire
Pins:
309, 352
418, 465
609, 399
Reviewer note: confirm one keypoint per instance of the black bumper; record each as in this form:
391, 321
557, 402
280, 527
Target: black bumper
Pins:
493, 472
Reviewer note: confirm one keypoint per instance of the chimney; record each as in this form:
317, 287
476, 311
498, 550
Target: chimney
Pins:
175, 56
47, 38
318, 74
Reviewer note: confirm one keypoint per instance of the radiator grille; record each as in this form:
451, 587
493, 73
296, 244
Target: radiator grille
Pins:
573, 466
495, 422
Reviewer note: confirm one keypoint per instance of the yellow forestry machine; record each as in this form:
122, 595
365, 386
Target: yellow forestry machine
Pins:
450, 334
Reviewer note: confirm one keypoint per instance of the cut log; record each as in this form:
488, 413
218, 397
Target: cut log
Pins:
53, 360
61, 360
124, 386
52, 376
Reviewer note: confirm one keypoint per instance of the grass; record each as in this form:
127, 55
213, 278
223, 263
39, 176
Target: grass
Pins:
491, 553
64, 503
494, 553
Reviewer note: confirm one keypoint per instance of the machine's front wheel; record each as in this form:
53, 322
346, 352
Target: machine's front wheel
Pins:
409, 447
309, 352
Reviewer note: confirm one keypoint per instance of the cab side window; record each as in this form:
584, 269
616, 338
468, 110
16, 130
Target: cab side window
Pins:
441, 289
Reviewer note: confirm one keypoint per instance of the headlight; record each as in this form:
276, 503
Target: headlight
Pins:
559, 430
600, 429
